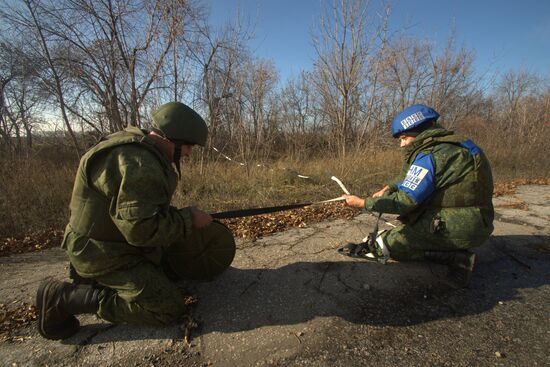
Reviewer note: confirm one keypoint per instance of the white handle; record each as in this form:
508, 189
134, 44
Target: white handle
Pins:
341, 184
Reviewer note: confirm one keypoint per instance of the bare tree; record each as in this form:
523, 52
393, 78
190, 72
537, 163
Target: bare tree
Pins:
414, 72
220, 55
513, 88
119, 49
300, 120
406, 74
8, 72
522, 101
30, 17
455, 89
260, 84
104, 57
346, 36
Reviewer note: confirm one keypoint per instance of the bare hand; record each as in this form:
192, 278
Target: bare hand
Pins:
200, 219
381, 192
354, 201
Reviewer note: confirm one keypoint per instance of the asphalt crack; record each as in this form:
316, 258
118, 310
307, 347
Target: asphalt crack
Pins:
509, 220
92, 335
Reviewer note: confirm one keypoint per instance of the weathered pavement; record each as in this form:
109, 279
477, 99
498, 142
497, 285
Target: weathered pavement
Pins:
290, 299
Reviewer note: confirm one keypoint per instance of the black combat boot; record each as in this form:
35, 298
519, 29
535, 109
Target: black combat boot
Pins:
460, 265
77, 279
57, 303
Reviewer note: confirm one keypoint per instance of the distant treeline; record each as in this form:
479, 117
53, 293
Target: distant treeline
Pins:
92, 67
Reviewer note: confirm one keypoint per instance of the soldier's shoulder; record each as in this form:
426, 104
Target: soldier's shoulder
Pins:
451, 146
449, 152
133, 153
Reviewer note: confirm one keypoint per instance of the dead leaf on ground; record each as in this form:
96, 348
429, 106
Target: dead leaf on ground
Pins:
509, 187
14, 318
517, 205
31, 242
261, 225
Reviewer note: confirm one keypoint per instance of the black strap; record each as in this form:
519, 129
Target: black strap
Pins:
256, 211
369, 245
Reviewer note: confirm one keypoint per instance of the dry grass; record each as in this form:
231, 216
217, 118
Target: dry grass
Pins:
35, 192
225, 185
514, 153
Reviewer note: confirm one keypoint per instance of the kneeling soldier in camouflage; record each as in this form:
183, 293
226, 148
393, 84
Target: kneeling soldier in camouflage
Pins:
125, 239
444, 197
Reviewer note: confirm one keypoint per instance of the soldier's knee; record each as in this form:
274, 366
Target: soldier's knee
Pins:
164, 310
172, 313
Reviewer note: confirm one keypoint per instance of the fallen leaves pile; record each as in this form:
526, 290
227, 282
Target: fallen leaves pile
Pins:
261, 225
249, 227
517, 205
31, 242
509, 187
14, 318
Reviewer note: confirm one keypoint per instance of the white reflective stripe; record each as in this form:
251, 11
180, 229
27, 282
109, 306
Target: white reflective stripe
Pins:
382, 246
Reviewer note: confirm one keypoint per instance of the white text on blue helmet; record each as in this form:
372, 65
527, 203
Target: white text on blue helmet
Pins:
410, 120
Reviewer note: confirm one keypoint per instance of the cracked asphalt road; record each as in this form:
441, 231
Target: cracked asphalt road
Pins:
290, 299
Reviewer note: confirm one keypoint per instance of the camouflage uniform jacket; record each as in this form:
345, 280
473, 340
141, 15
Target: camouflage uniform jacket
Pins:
120, 205
445, 188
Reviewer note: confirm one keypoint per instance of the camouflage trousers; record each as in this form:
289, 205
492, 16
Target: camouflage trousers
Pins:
408, 242
404, 244
140, 294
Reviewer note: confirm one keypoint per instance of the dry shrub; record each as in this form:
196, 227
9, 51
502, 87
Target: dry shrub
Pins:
514, 153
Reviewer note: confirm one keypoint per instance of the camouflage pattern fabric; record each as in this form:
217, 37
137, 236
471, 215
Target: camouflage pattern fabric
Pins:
204, 255
120, 207
458, 215
139, 294
120, 214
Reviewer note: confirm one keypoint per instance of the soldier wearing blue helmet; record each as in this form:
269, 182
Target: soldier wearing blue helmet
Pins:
412, 118
443, 197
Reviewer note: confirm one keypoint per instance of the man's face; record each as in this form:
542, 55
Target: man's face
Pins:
186, 150
405, 140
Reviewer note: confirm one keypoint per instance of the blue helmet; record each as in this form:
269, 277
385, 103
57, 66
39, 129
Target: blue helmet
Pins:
412, 117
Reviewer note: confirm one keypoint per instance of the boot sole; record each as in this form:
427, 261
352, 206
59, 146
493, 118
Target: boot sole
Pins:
41, 294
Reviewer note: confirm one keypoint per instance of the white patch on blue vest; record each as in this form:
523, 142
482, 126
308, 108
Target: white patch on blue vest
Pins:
414, 177
419, 183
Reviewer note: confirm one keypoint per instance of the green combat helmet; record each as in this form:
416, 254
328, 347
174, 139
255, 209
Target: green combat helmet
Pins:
204, 255
180, 123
